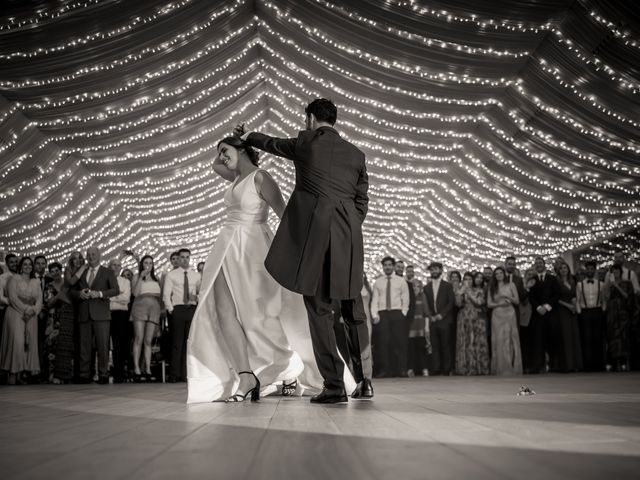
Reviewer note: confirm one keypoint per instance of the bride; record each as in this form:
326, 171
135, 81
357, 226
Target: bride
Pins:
248, 334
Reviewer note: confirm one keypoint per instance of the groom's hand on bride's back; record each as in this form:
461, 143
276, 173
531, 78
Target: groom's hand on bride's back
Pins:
239, 130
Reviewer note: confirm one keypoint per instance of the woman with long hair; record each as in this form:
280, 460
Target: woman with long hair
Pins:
60, 328
620, 309
564, 328
19, 347
502, 298
145, 315
419, 344
248, 333
472, 349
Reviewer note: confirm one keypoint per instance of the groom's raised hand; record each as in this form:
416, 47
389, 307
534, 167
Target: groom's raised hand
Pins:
239, 130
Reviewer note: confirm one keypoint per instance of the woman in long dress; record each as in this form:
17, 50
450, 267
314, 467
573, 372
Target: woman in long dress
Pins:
620, 310
19, 347
502, 298
564, 328
472, 349
418, 333
248, 334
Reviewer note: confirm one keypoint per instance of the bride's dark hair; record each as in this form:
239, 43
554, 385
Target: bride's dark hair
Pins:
238, 144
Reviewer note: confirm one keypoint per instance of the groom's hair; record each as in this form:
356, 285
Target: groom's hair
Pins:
239, 144
324, 110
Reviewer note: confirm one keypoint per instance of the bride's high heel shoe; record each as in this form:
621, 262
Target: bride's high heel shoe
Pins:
254, 392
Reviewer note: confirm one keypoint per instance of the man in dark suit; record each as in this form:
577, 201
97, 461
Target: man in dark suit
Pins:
92, 292
440, 303
318, 249
543, 296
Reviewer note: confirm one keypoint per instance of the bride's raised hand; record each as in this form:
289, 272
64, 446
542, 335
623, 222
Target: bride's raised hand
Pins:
239, 130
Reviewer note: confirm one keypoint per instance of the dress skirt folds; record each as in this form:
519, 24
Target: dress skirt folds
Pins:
274, 320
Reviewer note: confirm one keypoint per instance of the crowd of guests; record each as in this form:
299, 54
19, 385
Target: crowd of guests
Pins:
56, 320
501, 321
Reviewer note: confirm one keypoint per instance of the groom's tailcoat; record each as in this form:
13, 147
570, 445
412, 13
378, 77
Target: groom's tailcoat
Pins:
323, 219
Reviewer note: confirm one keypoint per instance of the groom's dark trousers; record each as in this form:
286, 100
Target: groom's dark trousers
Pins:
322, 324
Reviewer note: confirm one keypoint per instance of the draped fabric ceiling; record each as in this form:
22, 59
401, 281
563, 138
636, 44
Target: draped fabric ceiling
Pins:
489, 127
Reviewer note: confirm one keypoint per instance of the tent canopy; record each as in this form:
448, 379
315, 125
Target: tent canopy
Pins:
490, 128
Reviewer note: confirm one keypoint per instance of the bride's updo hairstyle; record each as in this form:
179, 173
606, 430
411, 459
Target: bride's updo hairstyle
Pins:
238, 144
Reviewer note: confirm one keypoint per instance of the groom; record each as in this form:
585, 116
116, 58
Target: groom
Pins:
318, 250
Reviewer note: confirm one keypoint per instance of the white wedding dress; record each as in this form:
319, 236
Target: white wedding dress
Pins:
273, 319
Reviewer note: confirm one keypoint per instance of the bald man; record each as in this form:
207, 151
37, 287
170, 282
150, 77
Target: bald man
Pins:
92, 292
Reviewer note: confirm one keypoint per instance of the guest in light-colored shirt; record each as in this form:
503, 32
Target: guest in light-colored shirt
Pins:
120, 326
180, 303
389, 307
590, 306
627, 274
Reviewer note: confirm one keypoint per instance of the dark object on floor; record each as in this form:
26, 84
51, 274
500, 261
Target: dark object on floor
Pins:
524, 390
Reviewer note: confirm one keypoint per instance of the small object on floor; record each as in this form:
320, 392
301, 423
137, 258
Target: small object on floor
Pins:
411, 373
425, 372
524, 390
289, 389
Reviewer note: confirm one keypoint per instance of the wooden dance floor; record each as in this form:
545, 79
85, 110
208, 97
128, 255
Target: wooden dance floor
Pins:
577, 426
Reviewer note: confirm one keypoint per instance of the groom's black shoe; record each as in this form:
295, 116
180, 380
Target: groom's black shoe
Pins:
364, 390
331, 395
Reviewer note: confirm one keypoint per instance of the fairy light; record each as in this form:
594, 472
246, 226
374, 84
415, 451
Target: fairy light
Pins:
43, 15
518, 84
174, 66
421, 72
113, 112
482, 22
86, 40
405, 35
312, 93
613, 28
